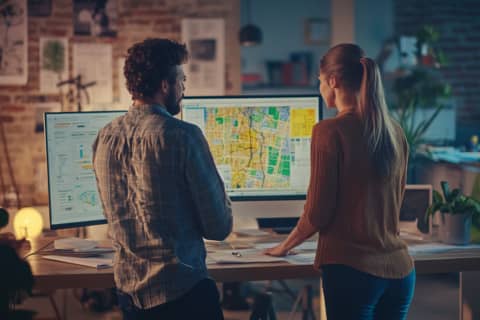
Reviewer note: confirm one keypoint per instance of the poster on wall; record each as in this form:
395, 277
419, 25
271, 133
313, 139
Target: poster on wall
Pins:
13, 42
39, 179
93, 62
53, 63
205, 71
96, 18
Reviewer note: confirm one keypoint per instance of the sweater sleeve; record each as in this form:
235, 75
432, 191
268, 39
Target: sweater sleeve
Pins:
321, 201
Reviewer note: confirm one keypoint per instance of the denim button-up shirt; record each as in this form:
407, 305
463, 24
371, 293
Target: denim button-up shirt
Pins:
161, 194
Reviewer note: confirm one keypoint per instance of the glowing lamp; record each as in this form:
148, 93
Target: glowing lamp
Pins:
28, 223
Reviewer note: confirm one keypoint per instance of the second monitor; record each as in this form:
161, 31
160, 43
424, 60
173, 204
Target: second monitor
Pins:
261, 145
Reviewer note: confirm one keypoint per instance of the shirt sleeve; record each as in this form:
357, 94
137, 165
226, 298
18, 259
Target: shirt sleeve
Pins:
321, 200
207, 188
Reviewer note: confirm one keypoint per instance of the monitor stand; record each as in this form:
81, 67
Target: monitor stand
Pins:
74, 243
282, 230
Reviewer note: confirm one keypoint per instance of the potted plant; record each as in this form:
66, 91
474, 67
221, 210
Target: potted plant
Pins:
457, 212
420, 87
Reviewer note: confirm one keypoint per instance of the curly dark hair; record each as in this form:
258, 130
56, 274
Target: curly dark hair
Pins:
151, 61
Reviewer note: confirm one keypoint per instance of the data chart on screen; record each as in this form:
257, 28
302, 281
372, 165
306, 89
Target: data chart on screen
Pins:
74, 199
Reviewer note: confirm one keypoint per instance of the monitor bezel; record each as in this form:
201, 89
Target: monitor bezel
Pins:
239, 198
58, 226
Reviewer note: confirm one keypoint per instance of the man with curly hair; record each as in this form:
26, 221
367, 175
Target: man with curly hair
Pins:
161, 193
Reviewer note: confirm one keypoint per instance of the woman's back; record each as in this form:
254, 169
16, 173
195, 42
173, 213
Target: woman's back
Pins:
363, 229
357, 182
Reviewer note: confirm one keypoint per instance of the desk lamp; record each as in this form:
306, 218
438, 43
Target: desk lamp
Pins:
27, 223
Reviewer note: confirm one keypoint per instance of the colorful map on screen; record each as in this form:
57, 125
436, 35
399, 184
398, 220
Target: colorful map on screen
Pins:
258, 147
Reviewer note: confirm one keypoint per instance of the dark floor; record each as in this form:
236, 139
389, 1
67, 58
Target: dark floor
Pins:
436, 298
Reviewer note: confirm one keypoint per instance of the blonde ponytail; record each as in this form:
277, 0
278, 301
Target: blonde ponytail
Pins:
360, 75
379, 129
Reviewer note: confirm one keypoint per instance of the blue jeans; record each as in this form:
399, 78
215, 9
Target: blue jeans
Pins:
201, 302
352, 294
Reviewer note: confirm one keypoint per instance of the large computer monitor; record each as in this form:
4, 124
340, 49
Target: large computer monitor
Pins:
72, 188
261, 145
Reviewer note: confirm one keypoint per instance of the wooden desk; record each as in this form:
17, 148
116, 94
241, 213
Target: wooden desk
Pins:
52, 275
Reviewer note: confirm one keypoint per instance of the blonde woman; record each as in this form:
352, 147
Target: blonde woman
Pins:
357, 183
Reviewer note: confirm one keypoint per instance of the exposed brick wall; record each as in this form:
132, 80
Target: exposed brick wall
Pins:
137, 19
459, 25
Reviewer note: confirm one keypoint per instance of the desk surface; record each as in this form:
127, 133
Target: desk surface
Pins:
50, 275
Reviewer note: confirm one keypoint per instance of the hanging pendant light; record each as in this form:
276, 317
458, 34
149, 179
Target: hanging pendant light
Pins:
250, 34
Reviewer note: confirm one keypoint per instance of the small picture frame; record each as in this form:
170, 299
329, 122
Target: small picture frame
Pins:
317, 31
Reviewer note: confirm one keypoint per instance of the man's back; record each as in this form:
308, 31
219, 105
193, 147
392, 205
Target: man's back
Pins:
161, 195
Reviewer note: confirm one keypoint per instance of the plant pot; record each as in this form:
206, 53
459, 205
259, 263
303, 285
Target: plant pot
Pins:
455, 228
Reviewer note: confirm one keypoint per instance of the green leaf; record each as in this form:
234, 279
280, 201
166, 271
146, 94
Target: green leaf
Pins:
445, 190
423, 127
437, 197
454, 195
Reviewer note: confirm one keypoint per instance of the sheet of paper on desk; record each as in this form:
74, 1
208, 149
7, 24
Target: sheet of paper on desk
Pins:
430, 248
101, 262
307, 245
304, 258
251, 232
240, 256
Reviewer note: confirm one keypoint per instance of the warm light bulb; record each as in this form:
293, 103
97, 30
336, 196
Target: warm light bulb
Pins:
28, 223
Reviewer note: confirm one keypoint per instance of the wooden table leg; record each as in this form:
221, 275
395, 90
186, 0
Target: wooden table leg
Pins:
469, 304
322, 313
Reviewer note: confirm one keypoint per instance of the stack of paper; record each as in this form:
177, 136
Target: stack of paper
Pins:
432, 248
304, 258
307, 245
251, 233
100, 262
240, 256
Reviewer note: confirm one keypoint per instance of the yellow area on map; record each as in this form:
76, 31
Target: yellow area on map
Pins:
251, 144
302, 123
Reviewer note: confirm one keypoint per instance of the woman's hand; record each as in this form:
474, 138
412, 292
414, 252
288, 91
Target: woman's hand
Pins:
278, 251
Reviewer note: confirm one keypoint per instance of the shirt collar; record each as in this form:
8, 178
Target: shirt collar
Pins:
149, 109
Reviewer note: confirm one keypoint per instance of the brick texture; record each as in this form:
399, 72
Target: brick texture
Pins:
136, 20
458, 23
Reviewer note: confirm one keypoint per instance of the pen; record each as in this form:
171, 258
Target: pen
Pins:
236, 254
